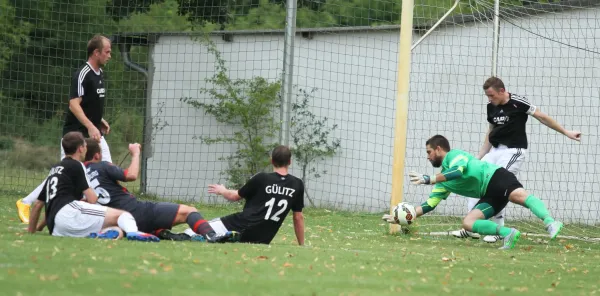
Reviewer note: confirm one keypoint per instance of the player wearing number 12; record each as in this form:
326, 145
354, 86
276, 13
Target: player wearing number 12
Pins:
493, 186
269, 198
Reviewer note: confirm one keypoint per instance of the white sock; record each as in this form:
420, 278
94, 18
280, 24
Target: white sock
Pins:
190, 232
499, 218
29, 199
127, 223
471, 203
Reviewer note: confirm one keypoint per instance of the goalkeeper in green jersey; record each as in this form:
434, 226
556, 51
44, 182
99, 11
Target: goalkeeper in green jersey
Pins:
493, 185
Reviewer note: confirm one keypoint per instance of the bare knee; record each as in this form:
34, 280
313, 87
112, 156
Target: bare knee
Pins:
111, 217
467, 224
518, 196
470, 219
183, 213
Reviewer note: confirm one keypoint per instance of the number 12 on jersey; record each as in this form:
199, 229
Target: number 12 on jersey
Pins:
271, 203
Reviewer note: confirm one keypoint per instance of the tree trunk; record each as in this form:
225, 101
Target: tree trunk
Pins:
305, 187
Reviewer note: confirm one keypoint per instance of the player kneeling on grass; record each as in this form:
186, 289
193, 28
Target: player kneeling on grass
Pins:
269, 198
152, 217
66, 213
493, 185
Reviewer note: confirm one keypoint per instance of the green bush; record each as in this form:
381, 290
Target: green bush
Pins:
6, 143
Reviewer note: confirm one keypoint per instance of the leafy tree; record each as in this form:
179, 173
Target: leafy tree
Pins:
159, 17
40, 72
13, 33
311, 138
120, 9
247, 106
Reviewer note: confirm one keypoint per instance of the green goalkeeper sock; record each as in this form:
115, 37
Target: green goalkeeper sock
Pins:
538, 208
488, 227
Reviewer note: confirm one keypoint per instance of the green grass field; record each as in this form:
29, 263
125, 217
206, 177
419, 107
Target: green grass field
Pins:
345, 254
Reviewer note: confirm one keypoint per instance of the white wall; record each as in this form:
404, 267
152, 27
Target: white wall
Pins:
355, 73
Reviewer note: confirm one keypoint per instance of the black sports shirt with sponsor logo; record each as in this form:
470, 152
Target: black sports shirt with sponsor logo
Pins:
88, 85
509, 122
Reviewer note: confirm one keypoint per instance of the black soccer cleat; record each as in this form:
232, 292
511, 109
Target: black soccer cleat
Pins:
168, 235
229, 237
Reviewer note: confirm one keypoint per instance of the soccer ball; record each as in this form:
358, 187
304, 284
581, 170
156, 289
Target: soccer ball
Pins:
404, 213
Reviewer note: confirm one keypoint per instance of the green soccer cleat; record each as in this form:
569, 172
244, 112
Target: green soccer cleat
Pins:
554, 228
511, 239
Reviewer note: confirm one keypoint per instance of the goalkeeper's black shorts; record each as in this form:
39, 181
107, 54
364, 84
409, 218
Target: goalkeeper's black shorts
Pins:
501, 185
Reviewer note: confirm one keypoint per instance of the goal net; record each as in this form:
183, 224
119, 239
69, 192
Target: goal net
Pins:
209, 88
547, 52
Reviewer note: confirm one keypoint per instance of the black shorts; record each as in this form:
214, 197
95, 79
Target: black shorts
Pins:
501, 185
156, 216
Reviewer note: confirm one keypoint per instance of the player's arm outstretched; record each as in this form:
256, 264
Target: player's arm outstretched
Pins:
455, 172
132, 172
228, 194
487, 146
438, 193
553, 124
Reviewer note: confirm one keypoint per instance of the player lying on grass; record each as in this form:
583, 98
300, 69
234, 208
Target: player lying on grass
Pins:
269, 198
493, 185
66, 213
152, 217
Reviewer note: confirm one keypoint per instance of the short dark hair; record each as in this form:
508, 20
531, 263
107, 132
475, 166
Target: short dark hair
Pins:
71, 141
438, 141
493, 82
92, 148
97, 42
281, 156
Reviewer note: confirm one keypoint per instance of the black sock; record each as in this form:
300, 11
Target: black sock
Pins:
198, 224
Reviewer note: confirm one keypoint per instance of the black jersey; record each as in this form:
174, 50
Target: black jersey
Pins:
65, 183
509, 122
104, 179
269, 198
88, 85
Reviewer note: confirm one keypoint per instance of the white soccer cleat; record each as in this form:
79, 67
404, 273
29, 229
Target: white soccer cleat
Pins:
510, 240
554, 228
465, 234
491, 238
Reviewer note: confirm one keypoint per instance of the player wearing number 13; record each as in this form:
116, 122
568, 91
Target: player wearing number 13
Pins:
269, 198
66, 214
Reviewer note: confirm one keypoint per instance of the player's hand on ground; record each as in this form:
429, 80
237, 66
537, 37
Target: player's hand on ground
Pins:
574, 135
135, 148
105, 127
94, 133
389, 219
418, 178
216, 188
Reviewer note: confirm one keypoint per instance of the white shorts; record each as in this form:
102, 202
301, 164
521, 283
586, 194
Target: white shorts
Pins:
103, 145
218, 226
79, 219
511, 159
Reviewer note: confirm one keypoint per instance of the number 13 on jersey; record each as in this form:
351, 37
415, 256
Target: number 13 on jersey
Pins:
270, 204
51, 189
